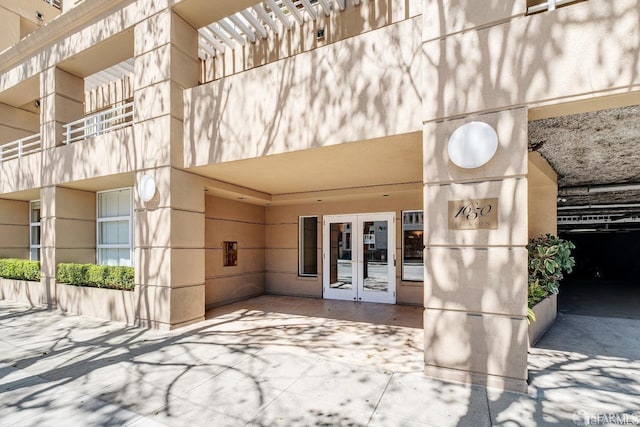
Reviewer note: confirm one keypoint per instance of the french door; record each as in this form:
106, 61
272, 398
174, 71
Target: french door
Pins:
359, 257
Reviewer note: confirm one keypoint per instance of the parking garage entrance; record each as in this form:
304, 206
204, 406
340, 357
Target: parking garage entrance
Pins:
595, 155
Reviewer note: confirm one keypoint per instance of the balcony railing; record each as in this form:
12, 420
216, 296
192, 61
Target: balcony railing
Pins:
99, 123
22, 147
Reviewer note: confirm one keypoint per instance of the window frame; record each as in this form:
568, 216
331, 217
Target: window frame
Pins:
402, 259
128, 218
32, 225
301, 246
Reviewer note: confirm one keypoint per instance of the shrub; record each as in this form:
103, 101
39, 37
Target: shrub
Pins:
549, 258
97, 276
20, 269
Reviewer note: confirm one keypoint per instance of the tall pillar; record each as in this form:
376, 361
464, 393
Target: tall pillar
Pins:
476, 272
61, 101
68, 231
169, 229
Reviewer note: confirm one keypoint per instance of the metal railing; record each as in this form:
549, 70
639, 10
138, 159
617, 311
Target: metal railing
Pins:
99, 123
22, 147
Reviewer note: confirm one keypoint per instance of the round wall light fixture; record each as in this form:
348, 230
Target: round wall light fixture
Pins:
472, 145
146, 188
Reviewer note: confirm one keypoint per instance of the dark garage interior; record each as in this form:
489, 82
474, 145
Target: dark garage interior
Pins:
606, 278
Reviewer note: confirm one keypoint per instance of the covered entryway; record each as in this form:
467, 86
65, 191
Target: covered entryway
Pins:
360, 257
595, 154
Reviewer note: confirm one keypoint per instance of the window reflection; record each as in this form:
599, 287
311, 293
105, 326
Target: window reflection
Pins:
413, 246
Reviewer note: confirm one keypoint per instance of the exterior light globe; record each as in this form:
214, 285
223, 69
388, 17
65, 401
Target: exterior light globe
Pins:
146, 188
472, 145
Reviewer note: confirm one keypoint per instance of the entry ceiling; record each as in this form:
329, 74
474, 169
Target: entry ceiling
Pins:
597, 158
386, 161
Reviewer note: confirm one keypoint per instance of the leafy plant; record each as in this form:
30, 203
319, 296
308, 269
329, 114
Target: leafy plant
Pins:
549, 259
98, 276
20, 269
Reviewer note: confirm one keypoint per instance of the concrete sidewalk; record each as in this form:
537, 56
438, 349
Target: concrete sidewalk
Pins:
246, 366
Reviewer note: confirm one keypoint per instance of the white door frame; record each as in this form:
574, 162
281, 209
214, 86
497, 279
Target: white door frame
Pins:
358, 292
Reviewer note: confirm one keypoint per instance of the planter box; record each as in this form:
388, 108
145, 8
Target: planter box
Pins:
108, 304
22, 291
546, 312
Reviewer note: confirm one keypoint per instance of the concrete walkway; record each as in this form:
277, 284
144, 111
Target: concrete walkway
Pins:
294, 362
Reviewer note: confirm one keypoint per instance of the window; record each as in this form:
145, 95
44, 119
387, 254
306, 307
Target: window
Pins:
412, 246
115, 227
308, 246
34, 230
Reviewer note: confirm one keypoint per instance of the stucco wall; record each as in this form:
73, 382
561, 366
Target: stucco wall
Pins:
282, 243
14, 229
24, 292
489, 55
230, 220
319, 98
339, 25
109, 304
543, 197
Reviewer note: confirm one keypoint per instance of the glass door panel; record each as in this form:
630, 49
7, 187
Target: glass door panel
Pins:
341, 256
375, 263
339, 267
377, 275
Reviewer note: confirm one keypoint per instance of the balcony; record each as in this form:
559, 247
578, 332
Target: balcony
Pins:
20, 148
99, 123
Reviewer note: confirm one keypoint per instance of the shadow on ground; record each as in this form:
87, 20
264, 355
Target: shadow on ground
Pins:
265, 362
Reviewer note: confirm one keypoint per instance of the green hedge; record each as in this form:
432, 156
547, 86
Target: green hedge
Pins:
20, 269
98, 276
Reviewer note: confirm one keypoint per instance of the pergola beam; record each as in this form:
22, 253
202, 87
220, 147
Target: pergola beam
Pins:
206, 34
326, 6
279, 14
221, 35
243, 27
255, 24
310, 9
294, 11
259, 9
224, 24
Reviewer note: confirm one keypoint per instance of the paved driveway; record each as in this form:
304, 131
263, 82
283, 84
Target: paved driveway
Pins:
290, 362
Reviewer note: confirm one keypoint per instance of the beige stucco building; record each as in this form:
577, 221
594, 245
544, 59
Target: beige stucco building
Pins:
298, 148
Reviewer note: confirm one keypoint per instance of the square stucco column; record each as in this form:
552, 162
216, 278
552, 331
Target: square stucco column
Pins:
61, 102
68, 231
169, 256
166, 63
169, 229
476, 279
